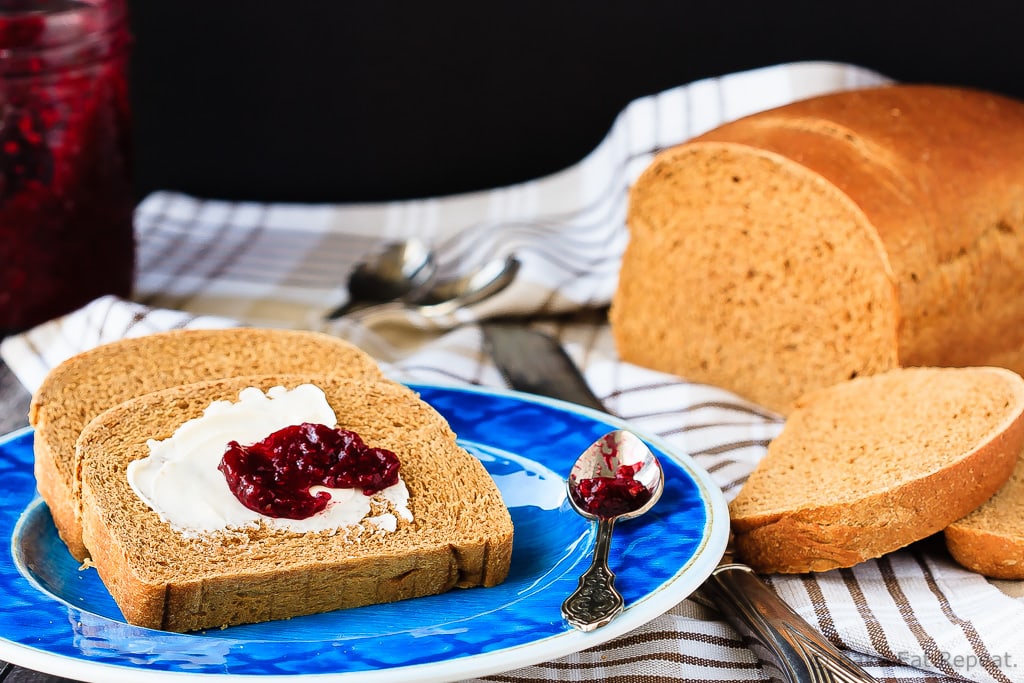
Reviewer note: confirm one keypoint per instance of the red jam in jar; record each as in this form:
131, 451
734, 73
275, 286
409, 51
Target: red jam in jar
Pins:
608, 497
66, 196
273, 476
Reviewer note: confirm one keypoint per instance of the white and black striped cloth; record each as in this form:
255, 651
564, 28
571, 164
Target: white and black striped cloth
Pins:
910, 616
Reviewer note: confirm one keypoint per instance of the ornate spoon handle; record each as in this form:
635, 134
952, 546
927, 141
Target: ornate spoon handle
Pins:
791, 651
595, 602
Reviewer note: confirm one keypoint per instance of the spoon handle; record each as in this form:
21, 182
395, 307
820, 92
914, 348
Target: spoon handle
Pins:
791, 651
595, 602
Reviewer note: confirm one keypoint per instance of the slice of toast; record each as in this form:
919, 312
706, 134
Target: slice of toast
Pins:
868, 466
990, 540
460, 534
87, 384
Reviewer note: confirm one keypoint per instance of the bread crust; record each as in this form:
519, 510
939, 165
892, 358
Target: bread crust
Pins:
990, 540
461, 534
858, 527
87, 384
734, 265
998, 556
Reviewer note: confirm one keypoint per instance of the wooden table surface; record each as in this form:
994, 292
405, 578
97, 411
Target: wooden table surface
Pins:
14, 400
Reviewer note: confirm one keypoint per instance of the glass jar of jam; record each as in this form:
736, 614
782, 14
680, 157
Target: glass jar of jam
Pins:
66, 196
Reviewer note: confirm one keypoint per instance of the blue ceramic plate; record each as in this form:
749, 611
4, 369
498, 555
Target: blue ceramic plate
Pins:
58, 618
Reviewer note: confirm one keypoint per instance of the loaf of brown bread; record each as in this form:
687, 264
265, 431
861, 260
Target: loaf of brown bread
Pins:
990, 540
873, 464
87, 384
460, 534
831, 238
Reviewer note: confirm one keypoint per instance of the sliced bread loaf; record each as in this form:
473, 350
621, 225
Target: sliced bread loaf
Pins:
868, 466
87, 384
990, 540
460, 534
830, 238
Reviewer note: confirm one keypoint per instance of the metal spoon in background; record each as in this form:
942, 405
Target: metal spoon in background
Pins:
446, 296
616, 478
484, 281
402, 271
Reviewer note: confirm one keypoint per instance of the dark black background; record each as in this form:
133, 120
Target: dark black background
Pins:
331, 100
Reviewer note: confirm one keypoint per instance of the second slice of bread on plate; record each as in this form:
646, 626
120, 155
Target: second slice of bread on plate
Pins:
85, 385
871, 465
460, 533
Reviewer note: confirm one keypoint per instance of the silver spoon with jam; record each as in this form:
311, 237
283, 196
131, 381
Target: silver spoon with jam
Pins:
617, 478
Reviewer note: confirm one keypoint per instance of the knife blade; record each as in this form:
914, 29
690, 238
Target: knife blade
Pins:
536, 363
790, 650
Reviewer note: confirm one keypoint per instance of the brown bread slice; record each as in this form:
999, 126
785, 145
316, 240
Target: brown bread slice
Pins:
87, 384
990, 540
461, 534
871, 465
830, 238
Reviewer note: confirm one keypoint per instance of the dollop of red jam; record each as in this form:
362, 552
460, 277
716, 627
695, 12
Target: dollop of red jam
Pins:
610, 496
273, 476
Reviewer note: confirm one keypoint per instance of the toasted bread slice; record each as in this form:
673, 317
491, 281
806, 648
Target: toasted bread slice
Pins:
990, 540
460, 535
873, 464
85, 385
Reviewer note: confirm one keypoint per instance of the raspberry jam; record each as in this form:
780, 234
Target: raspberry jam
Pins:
273, 476
66, 197
608, 497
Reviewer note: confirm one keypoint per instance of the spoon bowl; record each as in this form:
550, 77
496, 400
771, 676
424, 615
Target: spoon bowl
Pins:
480, 283
616, 478
446, 297
401, 271
626, 474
